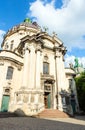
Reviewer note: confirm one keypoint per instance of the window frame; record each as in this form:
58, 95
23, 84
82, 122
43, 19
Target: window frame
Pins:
9, 74
45, 68
11, 45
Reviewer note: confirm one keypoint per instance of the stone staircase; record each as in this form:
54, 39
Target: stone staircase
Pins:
7, 114
50, 113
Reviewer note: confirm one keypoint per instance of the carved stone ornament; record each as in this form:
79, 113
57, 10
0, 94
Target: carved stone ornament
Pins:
26, 48
6, 90
38, 48
1, 63
46, 57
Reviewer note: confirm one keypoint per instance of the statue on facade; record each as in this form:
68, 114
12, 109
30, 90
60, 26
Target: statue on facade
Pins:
78, 67
76, 63
45, 29
28, 20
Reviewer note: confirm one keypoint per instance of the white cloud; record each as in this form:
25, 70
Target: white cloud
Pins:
65, 2
68, 21
70, 59
1, 36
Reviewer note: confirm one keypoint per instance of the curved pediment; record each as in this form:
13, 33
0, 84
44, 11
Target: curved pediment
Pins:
51, 41
43, 38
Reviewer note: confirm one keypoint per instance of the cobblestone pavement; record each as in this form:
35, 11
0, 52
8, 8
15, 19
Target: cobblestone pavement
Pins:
28, 123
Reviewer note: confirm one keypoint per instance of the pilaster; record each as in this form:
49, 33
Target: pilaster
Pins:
32, 68
38, 59
61, 83
25, 76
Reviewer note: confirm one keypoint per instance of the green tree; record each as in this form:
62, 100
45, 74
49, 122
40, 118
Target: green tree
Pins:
80, 85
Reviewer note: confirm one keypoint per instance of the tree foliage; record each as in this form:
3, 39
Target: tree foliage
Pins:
80, 85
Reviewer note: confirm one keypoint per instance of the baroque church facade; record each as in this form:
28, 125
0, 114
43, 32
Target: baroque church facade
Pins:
33, 76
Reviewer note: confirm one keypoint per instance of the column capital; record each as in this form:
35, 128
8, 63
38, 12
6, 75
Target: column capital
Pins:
38, 48
60, 49
26, 48
57, 54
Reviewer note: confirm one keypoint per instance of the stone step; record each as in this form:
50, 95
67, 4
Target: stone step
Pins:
50, 113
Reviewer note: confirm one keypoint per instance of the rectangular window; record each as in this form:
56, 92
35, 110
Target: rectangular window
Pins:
9, 73
70, 83
45, 68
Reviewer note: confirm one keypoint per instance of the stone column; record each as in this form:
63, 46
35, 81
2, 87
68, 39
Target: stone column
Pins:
25, 77
38, 63
56, 72
60, 76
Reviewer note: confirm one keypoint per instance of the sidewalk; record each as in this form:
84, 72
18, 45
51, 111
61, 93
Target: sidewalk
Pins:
76, 120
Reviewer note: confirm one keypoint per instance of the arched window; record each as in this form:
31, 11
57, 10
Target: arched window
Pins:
6, 46
11, 47
9, 73
45, 68
70, 83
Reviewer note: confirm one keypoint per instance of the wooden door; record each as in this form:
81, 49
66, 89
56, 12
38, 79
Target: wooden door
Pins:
47, 100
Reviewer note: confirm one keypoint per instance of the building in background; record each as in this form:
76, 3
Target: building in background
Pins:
33, 77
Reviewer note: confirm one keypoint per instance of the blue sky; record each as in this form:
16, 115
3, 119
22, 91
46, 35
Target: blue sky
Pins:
65, 17
13, 12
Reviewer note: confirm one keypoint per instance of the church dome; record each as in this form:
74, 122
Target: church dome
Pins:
25, 25
23, 28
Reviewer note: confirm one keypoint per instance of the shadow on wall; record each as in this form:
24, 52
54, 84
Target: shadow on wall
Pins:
19, 112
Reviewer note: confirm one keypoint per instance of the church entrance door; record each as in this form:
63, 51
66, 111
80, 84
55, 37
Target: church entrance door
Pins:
47, 99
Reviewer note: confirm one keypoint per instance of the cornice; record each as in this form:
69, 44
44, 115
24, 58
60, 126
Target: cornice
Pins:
11, 52
11, 59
